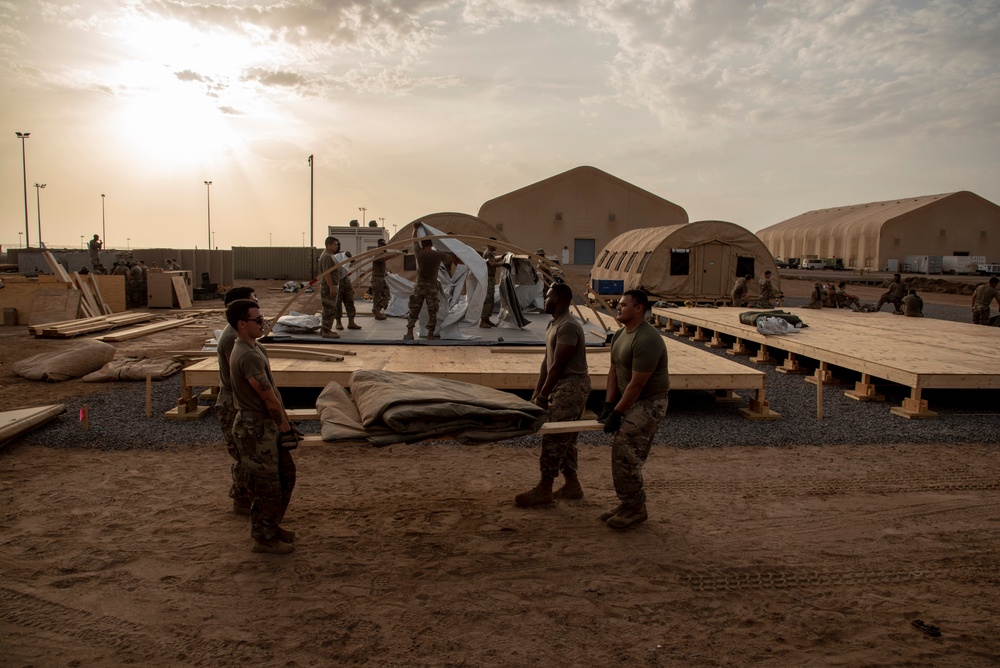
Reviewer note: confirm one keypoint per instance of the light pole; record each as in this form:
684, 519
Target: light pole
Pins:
363, 210
104, 229
38, 204
20, 240
128, 243
270, 240
81, 241
312, 244
24, 171
208, 190
213, 242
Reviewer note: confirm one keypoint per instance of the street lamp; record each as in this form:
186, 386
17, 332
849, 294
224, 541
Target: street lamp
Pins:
128, 243
38, 204
208, 190
24, 171
270, 240
213, 242
312, 241
81, 241
363, 210
104, 229
20, 242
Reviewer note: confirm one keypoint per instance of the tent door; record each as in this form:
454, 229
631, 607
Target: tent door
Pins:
712, 269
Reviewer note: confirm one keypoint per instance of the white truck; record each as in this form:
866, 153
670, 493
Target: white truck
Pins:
989, 268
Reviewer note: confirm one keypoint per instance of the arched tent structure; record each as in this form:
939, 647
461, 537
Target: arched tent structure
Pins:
448, 223
698, 261
869, 235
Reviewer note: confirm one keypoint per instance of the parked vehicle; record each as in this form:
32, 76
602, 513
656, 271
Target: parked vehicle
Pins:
814, 264
989, 268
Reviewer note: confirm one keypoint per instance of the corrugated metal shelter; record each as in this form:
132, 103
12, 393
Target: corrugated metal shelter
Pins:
869, 235
698, 261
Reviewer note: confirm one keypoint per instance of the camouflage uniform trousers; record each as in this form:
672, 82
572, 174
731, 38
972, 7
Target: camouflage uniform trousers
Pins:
630, 448
421, 294
345, 299
380, 293
887, 298
270, 473
980, 315
491, 289
239, 491
566, 402
329, 309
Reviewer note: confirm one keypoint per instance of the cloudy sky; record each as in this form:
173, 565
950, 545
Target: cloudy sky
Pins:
750, 112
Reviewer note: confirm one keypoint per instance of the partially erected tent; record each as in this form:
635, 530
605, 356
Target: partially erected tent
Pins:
698, 261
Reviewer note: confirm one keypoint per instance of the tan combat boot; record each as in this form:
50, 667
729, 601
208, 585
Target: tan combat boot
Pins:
628, 516
571, 490
540, 495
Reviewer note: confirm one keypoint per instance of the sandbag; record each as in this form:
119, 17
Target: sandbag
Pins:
81, 358
132, 368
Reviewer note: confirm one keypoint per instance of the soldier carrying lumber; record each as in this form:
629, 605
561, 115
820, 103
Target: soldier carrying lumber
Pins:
562, 388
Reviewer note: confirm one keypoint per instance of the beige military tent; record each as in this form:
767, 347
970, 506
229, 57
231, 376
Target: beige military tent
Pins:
698, 261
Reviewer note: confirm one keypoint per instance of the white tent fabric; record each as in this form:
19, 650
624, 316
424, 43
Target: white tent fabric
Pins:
455, 307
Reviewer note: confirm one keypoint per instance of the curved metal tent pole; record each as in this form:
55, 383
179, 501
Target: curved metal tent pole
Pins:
364, 259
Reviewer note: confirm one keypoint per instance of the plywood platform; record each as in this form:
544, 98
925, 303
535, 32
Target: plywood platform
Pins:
919, 353
505, 368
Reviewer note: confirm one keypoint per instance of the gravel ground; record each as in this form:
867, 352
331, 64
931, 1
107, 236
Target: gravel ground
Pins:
118, 422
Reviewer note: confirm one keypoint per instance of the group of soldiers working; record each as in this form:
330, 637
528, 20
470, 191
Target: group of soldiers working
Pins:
766, 297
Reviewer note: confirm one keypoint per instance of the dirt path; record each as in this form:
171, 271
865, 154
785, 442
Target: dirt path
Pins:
415, 555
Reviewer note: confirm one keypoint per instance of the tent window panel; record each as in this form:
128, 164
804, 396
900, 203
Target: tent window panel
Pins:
745, 266
603, 258
631, 259
642, 263
680, 261
611, 259
618, 265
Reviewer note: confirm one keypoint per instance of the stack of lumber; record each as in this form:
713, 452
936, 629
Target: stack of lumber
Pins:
91, 302
70, 328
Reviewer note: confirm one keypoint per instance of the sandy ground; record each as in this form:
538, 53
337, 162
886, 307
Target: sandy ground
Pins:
415, 555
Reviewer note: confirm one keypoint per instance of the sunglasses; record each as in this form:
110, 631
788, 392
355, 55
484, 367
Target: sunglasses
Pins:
259, 320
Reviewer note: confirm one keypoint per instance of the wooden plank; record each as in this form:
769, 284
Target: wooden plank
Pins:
547, 428
112, 289
54, 305
95, 285
57, 269
17, 422
143, 331
85, 325
91, 307
180, 291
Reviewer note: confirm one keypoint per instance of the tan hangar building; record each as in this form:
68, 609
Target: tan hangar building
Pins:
873, 234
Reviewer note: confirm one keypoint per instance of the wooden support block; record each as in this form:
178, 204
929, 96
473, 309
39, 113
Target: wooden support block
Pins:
824, 375
759, 410
864, 390
726, 397
669, 326
177, 414
739, 348
683, 330
210, 394
913, 407
791, 365
716, 341
699, 335
763, 357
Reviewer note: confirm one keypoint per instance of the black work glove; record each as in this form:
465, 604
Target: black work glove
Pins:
614, 422
288, 440
606, 412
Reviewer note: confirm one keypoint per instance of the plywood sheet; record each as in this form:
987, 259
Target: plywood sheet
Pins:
20, 294
17, 422
54, 305
180, 291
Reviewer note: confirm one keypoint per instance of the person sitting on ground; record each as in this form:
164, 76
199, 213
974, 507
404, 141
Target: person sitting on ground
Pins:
913, 306
816, 296
845, 299
894, 295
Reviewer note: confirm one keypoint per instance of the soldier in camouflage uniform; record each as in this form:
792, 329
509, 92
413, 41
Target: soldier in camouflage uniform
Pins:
636, 401
562, 388
328, 287
345, 295
262, 432
982, 299
239, 491
425, 289
379, 288
767, 294
492, 262
894, 295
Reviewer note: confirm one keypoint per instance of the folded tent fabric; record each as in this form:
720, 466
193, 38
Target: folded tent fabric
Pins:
750, 317
404, 408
